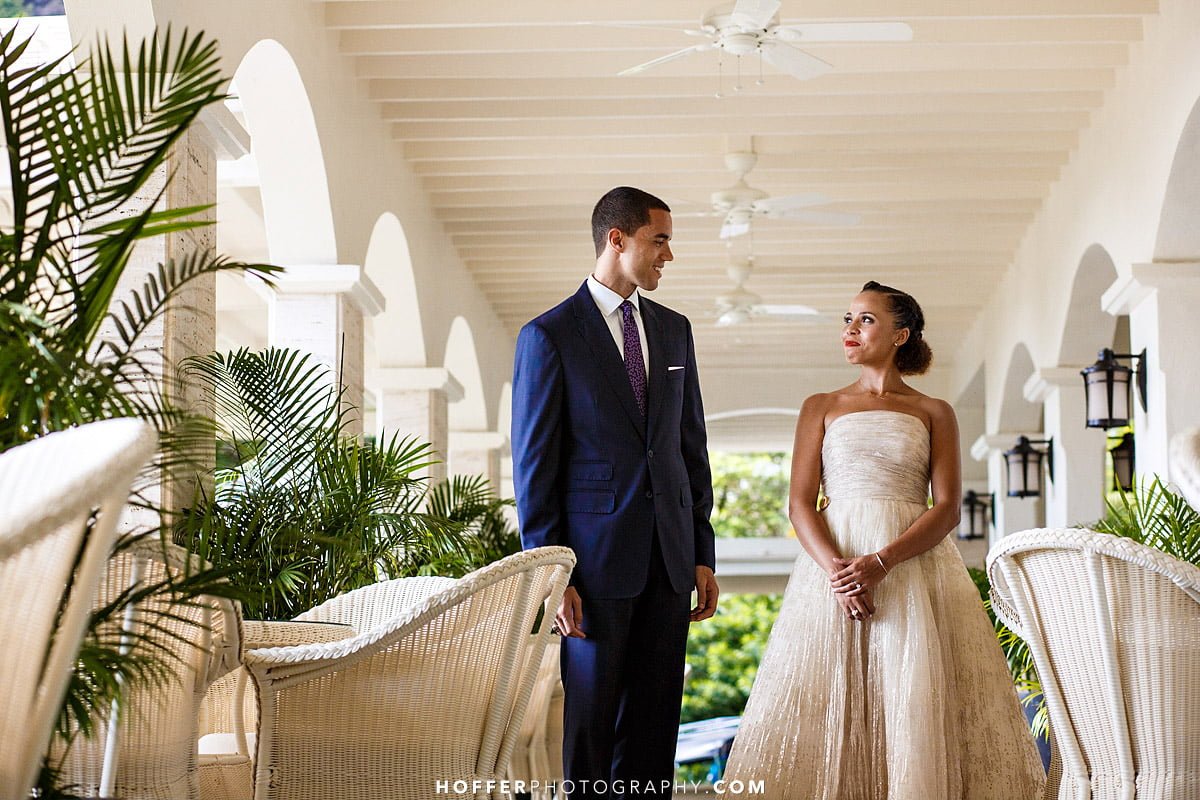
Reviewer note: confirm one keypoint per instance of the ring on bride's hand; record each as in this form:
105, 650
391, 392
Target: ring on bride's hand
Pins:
857, 586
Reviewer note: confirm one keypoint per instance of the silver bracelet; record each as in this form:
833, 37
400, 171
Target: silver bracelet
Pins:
879, 558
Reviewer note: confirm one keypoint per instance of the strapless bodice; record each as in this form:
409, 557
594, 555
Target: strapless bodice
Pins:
876, 454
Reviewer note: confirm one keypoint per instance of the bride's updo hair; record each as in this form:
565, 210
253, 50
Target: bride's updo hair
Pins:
915, 355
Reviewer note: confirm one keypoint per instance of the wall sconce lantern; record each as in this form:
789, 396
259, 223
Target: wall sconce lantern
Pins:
1024, 466
1122, 461
979, 513
1107, 386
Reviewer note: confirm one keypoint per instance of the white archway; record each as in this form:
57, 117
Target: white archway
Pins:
1178, 234
1017, 413
469, 413
389, 265
287, 156
1088, 327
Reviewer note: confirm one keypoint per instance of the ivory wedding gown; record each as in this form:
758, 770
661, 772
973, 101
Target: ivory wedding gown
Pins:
917, 702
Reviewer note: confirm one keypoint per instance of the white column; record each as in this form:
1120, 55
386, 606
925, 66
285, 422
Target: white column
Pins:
413, 401
1161, 301
320, 309
1012, 513
1076, 495
478, 453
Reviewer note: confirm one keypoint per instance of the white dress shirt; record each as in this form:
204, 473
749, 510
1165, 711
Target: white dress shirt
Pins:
609, 303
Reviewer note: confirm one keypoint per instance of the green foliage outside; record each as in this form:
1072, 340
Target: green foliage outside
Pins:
750, 494
724, 652
12, 8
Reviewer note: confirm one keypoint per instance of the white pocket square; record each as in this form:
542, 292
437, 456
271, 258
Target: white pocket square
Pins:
672, 369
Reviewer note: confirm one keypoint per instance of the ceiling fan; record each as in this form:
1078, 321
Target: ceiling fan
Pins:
740, 305
752, 26
741, 203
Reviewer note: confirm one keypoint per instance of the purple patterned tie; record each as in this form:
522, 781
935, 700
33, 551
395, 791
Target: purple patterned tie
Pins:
633, 355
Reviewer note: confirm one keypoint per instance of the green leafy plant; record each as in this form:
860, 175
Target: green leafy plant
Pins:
82, 145
304, 512
1155, 516
469, 501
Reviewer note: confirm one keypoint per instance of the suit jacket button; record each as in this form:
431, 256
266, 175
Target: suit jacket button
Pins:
649, 495
650, 454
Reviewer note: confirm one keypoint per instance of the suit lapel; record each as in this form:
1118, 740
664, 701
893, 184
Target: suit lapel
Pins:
596, 333
656, 369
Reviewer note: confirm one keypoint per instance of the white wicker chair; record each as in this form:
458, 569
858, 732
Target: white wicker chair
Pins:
532, 763
49, 489
199, 640
1114, 629
433, 688
1185, 465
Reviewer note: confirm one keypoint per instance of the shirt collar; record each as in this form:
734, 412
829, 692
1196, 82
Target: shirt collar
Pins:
607, 300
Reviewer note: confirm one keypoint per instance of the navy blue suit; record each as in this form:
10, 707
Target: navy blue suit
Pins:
631, 495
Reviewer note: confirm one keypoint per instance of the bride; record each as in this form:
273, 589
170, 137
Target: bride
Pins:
882, 679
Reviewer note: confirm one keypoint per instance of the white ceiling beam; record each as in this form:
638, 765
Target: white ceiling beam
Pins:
714, 145
568, 37
789, 165
604, 86
813, 105
454, 13
876, 58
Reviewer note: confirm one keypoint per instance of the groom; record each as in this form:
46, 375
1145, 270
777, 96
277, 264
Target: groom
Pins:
610, 459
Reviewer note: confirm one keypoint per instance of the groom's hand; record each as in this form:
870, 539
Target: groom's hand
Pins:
569, 619
707, 592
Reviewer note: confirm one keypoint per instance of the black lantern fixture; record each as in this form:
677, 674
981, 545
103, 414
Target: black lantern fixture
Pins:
1107, 386
979, 512
1122, 461
1024, 466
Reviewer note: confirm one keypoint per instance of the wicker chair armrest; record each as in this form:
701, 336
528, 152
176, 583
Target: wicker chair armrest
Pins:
1184, 575
309, 660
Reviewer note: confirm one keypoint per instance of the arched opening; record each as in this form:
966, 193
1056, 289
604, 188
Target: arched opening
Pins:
389, 265
1016, 413
272, 204
1088, 328
752, 430
1178, 234
469, 413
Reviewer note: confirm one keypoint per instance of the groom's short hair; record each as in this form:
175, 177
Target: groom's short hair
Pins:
624, 208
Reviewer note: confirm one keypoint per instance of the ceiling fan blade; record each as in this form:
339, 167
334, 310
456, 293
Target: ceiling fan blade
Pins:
845, 32
731, 228
785, 310
834, 219
664, 59
774, 205
796, 63
755, 14
733, 316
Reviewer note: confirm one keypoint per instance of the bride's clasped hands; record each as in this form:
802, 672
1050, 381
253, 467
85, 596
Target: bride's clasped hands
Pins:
853, 582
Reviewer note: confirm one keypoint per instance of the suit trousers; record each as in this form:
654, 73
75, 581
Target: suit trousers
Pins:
623, 687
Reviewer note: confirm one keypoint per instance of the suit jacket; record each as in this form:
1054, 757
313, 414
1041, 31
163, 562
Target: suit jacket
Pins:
590, 472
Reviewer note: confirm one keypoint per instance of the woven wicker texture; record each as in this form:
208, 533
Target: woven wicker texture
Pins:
199, 640
48, 490
531, 760
1185, 464
229, 712
434, 687
1114, 629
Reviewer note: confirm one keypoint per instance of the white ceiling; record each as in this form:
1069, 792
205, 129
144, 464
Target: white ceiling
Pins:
515, 118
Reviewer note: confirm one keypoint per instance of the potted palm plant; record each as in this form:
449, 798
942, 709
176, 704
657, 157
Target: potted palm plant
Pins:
82, 144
